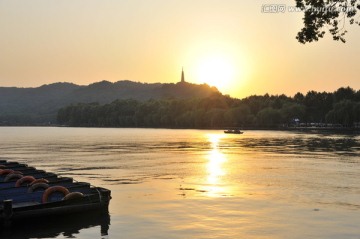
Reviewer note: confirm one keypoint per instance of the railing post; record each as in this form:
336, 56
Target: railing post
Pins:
8, 210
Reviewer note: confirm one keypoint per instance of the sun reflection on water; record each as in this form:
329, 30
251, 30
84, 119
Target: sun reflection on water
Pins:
216, 171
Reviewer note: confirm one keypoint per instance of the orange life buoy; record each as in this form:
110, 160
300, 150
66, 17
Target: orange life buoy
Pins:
37, 186
73, 195
24, 179
39, 180
5, 171
12, 176
52, 190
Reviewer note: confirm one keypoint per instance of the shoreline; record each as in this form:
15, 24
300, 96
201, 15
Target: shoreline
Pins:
299, 129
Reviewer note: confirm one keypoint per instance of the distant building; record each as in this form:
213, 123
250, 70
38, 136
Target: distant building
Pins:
182, 76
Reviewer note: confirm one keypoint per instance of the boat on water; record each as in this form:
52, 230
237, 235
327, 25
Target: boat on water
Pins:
27, 193
233, 131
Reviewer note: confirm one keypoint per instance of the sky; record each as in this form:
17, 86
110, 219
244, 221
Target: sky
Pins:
230, 44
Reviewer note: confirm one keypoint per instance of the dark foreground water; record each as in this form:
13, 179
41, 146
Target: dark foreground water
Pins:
199, 184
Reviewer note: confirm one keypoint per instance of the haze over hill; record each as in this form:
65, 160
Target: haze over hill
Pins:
27, 106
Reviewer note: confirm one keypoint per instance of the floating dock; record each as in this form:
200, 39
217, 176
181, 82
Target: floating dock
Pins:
27, 193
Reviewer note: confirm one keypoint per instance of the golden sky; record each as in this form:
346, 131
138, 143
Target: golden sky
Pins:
227, 43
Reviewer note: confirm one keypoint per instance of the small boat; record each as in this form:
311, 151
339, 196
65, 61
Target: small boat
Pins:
29, 194
233, 131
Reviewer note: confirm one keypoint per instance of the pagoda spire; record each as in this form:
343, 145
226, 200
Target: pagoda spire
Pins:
182, 75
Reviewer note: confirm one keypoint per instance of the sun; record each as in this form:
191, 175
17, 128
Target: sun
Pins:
216, 70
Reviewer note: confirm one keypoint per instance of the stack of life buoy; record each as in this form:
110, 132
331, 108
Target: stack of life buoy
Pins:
37, 184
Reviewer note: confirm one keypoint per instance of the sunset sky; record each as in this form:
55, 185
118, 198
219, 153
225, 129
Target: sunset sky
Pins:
227, 43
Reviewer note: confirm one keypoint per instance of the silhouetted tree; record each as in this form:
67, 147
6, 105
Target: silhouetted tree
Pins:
345, 113
269, 117
299, 98
215, 111
317, 105
344, 94
321, 15
291, 111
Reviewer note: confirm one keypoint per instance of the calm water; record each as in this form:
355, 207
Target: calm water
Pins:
199, 184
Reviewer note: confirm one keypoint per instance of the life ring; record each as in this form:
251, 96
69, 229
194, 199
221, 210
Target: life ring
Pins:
39, 180
6, 171
73, 195
12, 176
37, 186
52, 190
24, 179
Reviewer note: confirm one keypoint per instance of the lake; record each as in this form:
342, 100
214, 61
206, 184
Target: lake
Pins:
199, 183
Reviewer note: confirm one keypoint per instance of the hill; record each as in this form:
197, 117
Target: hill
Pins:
36, 106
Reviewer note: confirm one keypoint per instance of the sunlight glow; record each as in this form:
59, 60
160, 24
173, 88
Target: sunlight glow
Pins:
215, 169
219, 62
214, 166
214, 140
216, 70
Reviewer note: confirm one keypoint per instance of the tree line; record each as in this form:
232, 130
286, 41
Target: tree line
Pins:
340, 108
